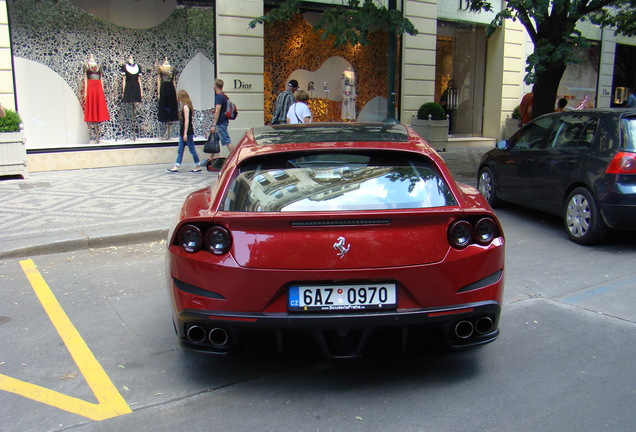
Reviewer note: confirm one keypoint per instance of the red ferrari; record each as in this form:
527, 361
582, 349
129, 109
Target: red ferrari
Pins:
338, 237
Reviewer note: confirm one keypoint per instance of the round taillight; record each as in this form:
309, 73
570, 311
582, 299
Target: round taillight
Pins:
622, 163
190, 238
485, 231
460, 234
218, 240
628, 164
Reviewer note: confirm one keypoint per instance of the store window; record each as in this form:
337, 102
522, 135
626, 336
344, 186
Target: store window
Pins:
624, 74
459, 75
67, 56
578, 84
347, 83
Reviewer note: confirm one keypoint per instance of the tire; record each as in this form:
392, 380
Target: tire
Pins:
487, 187
582, 218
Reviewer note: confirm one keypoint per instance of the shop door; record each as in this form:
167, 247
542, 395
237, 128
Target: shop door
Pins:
461, 60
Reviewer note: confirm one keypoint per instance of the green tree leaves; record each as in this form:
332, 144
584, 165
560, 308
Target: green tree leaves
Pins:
350, 22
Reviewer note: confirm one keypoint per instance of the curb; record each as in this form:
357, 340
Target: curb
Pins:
57, 243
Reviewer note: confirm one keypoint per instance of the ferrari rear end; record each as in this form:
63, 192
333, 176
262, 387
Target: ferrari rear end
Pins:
337, 246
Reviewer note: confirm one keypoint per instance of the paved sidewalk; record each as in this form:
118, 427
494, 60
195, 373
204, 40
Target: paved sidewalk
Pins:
66, 210
60, 211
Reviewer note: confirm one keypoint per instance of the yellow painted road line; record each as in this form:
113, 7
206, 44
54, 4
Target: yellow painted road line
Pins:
110, 402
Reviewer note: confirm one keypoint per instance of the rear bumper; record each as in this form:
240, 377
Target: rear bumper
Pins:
340, 335
622, 217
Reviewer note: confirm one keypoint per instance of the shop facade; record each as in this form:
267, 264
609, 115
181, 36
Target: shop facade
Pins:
46, 45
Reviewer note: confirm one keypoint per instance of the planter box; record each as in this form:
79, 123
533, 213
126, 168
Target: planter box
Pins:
511, 127
433, 131
13, 159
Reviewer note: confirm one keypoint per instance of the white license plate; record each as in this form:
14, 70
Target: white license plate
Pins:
342, 297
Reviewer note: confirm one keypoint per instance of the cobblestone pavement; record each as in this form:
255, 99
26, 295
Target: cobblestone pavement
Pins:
81, 206
65, 210
463, 162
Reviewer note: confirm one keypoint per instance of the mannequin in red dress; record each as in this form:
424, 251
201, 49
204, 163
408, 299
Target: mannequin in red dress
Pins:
95, 109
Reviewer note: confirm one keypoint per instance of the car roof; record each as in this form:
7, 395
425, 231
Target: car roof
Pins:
329, 136
604, 112
330, 132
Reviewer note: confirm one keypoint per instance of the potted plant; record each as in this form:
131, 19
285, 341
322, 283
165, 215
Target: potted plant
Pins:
513, 123
432, 125
13, 158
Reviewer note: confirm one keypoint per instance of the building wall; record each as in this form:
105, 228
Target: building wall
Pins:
494, 85
418, 53
604, 91
239, 60
418, 71
505, 66
7, 98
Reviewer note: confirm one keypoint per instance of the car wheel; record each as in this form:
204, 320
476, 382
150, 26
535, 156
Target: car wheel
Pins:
582, 218
486, 185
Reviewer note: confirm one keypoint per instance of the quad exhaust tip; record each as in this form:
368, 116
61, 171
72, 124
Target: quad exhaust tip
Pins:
465, 329
196, 334
217, 336
484, 325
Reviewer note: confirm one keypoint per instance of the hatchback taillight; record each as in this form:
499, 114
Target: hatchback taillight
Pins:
622, 163
462, 233
192, 237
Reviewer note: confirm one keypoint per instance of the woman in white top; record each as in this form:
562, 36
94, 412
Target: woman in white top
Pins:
299, 112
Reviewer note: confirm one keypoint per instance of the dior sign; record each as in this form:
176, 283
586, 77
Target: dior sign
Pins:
459, 10
238, 84
464, 5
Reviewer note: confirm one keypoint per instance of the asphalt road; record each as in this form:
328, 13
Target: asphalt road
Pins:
563, 362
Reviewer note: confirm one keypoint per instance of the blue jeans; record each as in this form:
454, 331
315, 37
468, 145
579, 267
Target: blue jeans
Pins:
221, 133
181, 148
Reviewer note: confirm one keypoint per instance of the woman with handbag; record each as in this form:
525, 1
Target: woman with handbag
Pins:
299, 112
186, 133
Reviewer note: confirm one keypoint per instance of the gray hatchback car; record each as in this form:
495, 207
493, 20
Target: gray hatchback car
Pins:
578, 164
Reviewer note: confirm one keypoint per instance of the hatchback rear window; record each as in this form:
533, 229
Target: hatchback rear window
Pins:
629, 133
333, 181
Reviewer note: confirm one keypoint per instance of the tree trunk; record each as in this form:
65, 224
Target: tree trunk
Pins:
545, 90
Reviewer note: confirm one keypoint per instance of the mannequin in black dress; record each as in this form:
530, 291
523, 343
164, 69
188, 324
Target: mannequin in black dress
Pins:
168, 108
132, 89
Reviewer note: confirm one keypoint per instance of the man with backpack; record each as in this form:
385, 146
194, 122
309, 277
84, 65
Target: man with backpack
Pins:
219, 125
220, 121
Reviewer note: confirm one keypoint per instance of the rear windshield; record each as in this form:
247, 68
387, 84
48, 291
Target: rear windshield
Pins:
629, 133
332, 181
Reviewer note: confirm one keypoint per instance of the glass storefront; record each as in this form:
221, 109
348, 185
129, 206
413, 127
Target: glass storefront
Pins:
345, 83
459, 75
624, 74
579, 82
66, 56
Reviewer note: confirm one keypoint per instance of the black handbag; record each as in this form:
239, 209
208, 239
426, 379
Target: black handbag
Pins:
212, 145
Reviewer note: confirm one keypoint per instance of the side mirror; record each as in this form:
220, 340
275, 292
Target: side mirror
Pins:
502, 145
